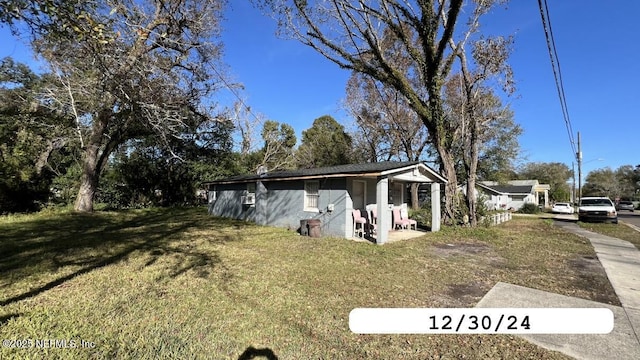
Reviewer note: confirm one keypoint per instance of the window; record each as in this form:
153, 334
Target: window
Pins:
311, 195
212, 194
250, 195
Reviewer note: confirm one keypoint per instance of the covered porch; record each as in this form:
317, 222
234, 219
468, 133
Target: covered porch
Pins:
391, 193
542, 194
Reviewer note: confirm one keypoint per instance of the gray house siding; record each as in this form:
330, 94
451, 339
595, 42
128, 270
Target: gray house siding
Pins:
228, 203
281, 204
285, 205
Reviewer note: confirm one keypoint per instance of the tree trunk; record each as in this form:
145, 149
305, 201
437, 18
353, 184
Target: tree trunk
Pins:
471, 200
415, 204
451, 187
93, 162
472, 169
89, 180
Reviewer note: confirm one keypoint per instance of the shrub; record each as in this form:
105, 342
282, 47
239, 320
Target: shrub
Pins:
421, 215
529, 208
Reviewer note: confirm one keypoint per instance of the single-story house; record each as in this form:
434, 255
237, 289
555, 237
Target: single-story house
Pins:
284, 198
513, 194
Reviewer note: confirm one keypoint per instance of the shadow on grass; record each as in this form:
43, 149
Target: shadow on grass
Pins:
252, 353
44, 246
5, 318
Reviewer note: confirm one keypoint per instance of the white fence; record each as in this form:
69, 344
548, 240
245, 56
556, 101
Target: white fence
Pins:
497, 218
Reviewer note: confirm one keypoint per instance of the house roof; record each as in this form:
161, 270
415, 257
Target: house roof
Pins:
510, 189
365, 169
514, 186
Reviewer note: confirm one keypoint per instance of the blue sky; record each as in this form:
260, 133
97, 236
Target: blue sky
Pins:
598, 48
597, 44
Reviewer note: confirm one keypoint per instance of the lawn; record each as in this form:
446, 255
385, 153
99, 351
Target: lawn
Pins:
177, 283
619, 231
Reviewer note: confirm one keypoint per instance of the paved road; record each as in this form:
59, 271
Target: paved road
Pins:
630, 217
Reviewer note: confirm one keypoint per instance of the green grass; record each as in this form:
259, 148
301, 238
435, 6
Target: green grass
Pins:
177, 283
619, 231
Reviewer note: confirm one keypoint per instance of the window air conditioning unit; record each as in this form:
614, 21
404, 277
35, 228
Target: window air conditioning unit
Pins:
249, 199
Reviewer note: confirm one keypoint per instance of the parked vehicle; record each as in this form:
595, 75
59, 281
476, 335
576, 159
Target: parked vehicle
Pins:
624, 205
597, 209
562, 208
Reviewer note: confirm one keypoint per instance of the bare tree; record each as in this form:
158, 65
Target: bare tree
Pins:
480, 108
389, 128
246, 124
351, 34
393, 129
127, 69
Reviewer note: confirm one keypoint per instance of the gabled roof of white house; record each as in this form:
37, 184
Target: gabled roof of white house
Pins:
509, 189
401, 170
520, 187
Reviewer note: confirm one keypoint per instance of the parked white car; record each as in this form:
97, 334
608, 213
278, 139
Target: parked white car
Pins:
562, 208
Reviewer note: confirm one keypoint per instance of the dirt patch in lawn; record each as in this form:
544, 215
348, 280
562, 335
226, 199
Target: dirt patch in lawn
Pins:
469, 248
588, 275
460, 248
466, 295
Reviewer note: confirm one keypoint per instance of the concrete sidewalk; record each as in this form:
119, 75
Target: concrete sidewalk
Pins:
621, 261
621, 343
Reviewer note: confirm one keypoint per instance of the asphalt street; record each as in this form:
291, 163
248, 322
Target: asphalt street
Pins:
630, 217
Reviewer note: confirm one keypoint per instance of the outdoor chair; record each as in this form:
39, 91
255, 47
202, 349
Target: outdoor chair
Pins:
358, 220
404, 214
398, 221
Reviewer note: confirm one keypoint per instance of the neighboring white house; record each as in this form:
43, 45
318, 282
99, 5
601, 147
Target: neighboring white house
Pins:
512, 194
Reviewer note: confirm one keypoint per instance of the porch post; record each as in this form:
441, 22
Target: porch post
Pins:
546, 198
435, 207
382, 201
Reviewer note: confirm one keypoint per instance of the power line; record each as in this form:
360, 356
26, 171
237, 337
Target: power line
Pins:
555, 65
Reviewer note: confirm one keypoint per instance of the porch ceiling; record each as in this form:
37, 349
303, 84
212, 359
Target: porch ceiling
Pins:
410, 177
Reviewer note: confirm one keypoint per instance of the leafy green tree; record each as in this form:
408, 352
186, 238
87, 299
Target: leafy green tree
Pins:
126, 70
626, 176
61, 18
555, 174
29, 139
325, 143
143, 173
279, 142
621, 182
601, 182
635, 179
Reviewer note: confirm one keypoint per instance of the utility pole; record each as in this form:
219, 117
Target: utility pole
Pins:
579, 156
573, 183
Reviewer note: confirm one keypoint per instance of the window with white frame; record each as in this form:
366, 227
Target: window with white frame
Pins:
311, 195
